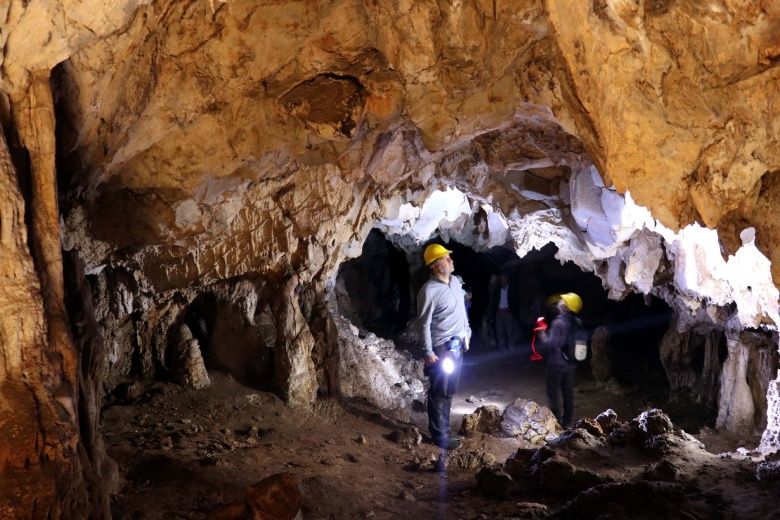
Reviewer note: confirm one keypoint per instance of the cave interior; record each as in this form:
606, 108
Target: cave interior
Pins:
212, 224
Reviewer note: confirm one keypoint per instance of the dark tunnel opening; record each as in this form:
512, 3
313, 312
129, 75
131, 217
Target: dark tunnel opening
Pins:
228, 342
377, 294
381, 286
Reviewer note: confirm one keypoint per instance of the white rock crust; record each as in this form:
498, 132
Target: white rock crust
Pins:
606, 227
372, 368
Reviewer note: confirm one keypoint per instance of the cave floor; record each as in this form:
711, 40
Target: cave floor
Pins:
184, 452
512, 375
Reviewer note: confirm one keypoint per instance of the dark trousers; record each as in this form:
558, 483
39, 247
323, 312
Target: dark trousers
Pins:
503, 329
560, 381
443, 387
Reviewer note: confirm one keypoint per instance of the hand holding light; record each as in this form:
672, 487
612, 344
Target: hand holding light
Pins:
540, 324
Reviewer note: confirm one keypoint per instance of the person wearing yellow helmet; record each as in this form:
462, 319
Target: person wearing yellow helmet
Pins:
445, 335
562, 342
572, 301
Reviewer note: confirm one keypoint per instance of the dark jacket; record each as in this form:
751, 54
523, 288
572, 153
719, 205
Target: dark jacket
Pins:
557, 339
495, 298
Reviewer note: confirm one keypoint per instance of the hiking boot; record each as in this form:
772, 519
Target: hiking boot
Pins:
451, 444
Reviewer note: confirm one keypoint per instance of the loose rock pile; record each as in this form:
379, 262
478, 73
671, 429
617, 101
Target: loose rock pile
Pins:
606, 468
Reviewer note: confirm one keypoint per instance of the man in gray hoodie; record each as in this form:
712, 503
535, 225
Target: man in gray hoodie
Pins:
445, 335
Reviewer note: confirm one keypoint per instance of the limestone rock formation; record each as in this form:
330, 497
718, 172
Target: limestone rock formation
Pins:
371, 368
737, 410
485, 419
188, 363
527, 420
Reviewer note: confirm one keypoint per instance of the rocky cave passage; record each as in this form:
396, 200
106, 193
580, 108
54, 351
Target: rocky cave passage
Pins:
377, 293
186, 188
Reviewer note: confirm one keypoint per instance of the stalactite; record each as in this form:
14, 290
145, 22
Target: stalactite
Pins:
707, 385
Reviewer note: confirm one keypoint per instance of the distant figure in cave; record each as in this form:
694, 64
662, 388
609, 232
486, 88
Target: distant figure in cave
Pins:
466, 293
558, 342
503, 320
445, 335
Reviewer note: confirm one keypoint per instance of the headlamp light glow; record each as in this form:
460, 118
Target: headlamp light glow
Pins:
448, 365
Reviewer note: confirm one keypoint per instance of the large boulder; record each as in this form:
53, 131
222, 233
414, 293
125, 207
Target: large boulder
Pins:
529, 421
277, 497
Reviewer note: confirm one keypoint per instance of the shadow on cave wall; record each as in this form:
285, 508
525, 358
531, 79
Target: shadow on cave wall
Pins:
374, 290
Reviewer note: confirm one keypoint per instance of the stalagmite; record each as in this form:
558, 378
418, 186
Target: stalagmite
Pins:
736, 409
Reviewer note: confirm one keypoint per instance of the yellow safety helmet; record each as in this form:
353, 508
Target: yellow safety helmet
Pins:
572, 301
433, 252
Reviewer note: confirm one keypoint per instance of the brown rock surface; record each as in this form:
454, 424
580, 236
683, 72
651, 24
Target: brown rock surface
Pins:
40, 469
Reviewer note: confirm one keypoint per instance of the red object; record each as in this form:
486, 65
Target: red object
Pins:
540, 325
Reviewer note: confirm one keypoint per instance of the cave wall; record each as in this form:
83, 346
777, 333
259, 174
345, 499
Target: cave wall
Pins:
41, 467
695, 87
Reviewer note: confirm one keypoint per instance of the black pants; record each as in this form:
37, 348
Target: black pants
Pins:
443, 387
560, 381
503, 329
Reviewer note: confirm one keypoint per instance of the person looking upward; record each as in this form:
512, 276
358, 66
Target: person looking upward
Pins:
445, 335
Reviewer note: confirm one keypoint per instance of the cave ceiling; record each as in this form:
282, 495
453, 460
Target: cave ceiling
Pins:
235, 134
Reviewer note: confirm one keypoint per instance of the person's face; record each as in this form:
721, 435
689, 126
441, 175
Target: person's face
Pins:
444, 266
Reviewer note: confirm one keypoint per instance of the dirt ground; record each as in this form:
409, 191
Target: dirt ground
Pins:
184, 452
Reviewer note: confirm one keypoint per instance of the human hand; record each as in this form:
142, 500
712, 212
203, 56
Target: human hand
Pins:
540, 324
431, 359
466, 344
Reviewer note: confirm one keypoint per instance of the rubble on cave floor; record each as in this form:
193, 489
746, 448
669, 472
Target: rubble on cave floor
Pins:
642, 468
188, 453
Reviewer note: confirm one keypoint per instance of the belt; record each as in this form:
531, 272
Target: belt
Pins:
441, 346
